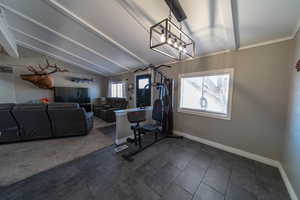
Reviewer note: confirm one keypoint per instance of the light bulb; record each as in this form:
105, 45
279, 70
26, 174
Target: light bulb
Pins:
180, 47
162, 38
170, 41
175, 44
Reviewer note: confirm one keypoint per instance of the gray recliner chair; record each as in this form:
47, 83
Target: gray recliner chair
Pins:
106, 111
9, 131
68, 119
33, 121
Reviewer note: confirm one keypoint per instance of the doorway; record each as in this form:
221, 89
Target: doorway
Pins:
143, 97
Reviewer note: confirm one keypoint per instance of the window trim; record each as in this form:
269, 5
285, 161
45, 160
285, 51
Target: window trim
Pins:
122, 85
229, 71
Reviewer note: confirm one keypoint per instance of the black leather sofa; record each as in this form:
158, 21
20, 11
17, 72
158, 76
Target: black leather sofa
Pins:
33, 121
22, 122
9, 130
105, 110
69, 119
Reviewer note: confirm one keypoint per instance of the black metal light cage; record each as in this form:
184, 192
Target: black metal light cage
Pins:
167, 29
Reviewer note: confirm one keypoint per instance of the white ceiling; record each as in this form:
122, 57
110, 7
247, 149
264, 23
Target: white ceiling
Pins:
111, 37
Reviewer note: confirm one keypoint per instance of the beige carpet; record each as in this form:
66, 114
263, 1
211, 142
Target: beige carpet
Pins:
22, 160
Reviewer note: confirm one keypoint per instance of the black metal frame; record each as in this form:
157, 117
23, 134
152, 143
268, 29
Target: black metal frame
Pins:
137, 129
138, 132
129, 157
176, 9
167, 25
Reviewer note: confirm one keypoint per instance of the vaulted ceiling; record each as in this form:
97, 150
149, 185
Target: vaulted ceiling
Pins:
112, 36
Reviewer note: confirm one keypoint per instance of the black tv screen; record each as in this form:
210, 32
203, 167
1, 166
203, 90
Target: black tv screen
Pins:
71, 95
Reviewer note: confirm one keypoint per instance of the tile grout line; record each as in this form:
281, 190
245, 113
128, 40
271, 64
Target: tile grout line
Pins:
228, 183
211, 187
248, 155
202, 181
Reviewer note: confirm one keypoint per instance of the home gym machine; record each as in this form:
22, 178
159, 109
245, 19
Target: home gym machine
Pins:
162, 113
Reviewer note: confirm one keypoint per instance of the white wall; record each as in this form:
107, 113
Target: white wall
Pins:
291, 148
26, 91
7, 88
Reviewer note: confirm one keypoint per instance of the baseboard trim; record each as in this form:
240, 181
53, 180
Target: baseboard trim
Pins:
287, 183
239, 152
245, 154
233, 150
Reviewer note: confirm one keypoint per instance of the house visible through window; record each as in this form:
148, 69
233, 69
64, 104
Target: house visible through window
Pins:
207, 93
143, 82
117, 90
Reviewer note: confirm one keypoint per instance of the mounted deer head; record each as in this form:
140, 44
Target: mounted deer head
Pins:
41, 75
43, 70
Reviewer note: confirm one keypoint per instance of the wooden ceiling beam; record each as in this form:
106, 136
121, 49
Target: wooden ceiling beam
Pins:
92, 28
7, 39
229, 12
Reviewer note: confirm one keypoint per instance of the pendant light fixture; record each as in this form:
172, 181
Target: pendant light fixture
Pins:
169, 39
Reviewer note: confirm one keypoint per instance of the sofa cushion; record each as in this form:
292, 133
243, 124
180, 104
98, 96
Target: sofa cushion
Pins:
6, 106
28, 107
33, 120
63, 106
9, 130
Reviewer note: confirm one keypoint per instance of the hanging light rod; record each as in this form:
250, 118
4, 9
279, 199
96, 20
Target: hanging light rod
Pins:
176, 9
169, 39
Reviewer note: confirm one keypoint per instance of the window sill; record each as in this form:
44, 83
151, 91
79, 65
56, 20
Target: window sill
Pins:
204, 114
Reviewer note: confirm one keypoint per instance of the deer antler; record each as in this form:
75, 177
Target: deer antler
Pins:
55, 67
32, 69
43, 70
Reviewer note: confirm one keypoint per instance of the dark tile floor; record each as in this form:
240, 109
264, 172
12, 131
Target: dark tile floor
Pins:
108, 130
170, 170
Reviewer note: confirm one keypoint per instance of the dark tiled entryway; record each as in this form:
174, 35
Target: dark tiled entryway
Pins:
170, 170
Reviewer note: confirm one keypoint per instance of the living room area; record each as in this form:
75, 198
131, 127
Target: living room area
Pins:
149, 100
30, 120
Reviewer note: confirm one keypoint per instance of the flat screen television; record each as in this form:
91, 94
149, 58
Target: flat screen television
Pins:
71, 95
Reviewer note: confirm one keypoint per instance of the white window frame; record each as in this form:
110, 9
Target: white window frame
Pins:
122, 89
227, 116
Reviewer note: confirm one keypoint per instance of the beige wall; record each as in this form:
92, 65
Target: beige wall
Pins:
26, 92
259, 99
258, 104
291, 151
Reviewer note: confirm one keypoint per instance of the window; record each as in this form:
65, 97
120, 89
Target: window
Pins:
143, 82
117, 90
206, 93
